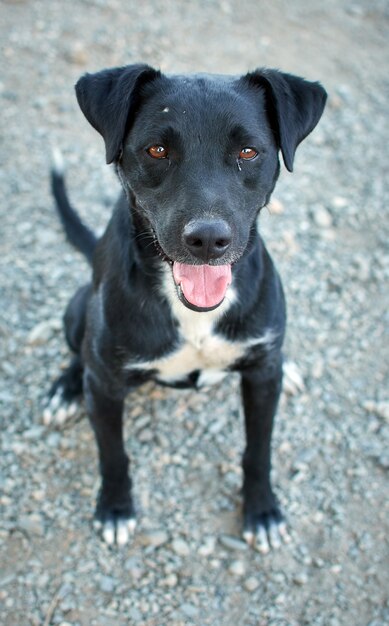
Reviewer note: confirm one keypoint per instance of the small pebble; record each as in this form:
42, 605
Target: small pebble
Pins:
32, 524
135, 615
300, 579
107, 584
237, 568
78, 54
154, 538
189, 609
207, 547
338, 202
40, 334
145, 436
232, 543
379, 408
383, 460
322, 217
170, 580
251, 584
180, 547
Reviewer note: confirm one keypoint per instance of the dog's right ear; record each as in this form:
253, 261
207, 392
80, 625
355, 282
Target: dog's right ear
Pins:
108, 98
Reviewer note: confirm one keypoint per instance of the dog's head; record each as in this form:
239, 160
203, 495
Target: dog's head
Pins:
199, 156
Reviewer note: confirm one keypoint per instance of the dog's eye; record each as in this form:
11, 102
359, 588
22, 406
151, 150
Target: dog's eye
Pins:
157, 152
247, 154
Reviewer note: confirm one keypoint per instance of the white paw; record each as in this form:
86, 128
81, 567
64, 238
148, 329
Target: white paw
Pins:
267, 537
57, 411
293, 382
117, 531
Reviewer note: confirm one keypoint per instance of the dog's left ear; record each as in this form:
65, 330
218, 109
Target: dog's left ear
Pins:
109, 98
294, 106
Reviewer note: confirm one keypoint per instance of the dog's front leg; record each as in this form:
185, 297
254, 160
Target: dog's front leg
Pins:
114, 515
264, 526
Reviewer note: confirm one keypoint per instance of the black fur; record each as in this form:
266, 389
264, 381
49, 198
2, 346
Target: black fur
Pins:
124, 320
76, 231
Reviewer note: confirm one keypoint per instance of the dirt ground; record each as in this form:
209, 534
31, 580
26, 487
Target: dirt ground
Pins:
328, 233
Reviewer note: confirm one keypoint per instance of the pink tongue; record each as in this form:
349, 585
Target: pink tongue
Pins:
202, 285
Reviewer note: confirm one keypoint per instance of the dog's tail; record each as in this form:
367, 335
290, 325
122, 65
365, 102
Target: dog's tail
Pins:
77, 233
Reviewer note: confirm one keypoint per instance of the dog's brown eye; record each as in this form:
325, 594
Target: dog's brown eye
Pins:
157, 152
247, 153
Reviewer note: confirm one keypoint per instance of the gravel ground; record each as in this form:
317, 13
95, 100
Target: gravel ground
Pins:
328, 232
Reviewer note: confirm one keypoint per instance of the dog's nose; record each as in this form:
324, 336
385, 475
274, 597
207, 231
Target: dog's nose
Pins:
207, 239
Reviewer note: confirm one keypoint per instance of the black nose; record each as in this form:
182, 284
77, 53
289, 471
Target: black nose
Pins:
207, 239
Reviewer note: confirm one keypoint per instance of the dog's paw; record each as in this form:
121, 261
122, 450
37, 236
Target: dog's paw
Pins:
62, 403
115, 529
58, 409
293, 382
266, 531
114, 518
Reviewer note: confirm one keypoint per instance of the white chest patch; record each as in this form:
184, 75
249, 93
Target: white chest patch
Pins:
200, 348
207, 352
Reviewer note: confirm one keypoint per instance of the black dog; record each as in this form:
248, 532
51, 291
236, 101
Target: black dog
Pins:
183, 289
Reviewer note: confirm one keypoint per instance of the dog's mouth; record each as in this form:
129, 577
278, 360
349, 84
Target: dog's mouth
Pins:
201, 287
